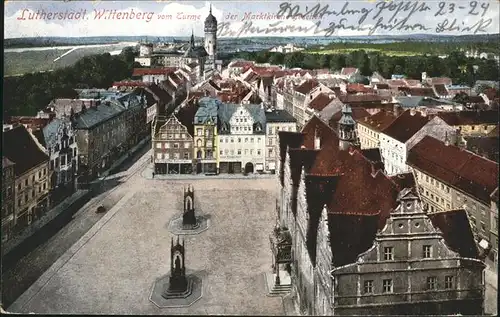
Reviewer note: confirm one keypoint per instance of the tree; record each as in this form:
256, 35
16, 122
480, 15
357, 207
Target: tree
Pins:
276, 59
324, 61
310, 62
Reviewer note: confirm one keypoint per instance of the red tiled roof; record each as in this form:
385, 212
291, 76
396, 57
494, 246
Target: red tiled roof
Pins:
129, 84
406, 125
360, 98
441, 90
382, 86
396, 83
421, 91
306, 86
242, 64
346, 71
359, 88
457, 233
153, 71
470, 173
356, 200
320, 102
412, 82
379, 121
470, 117
31, 122
440, 80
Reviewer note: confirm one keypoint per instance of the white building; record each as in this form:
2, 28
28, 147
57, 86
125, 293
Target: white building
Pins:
289, 48
406, 131
276, 120
241, 138
58, 139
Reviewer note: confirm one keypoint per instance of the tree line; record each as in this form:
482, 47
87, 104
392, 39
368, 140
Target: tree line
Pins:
27, 94
456, 65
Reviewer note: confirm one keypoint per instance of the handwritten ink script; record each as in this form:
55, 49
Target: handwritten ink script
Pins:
366, 18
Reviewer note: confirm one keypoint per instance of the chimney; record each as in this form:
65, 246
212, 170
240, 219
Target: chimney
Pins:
317, 140
423, 112
446, 140
412, 111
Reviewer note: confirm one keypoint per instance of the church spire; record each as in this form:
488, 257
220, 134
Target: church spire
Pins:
192, 38
210, 8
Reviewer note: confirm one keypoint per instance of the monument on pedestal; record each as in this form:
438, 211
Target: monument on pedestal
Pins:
189, 220
177, 289
177, 283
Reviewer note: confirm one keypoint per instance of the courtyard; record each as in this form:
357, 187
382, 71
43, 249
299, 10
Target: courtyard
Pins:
112, 268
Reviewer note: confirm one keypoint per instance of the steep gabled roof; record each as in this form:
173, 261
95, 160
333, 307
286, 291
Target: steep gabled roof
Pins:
20, 148
470, 173
307, 86
320, 102
406, 125
470, 117
379, 121
457, 233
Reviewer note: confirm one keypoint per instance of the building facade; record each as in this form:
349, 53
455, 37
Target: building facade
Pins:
100, 136
59, 140
205, 147
360, 243
241, 138
173, 148
276, 120
469, 184
8, 197
32, 175
406, 131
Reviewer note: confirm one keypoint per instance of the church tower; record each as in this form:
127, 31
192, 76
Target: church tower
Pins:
347, 129
211, 36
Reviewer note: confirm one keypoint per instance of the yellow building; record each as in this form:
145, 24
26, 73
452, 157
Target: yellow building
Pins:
369, 128
205, 147
472, 123
32, 176
450, 178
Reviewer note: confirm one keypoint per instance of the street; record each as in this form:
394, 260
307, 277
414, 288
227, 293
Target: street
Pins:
23, 266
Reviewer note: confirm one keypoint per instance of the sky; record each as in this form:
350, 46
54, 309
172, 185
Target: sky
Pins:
248, 18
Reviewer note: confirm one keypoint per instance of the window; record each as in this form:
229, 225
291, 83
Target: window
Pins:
387, 286
427, 250
427, 178
368, 287
270, 152
388, 253
176, 145
26, 182
199, 132
186, 156
159, 156
448, 282
431, 283
258, 152
483, 226
239, 140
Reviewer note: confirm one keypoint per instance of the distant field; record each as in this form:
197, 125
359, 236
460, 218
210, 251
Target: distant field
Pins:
30, 61
348, 50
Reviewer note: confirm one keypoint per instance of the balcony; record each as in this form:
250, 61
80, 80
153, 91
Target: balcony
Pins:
281, 245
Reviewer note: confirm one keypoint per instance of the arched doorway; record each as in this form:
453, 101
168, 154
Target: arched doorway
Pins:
248, 168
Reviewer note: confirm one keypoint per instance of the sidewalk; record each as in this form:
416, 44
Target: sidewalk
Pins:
45, 219
122, 159
148, 174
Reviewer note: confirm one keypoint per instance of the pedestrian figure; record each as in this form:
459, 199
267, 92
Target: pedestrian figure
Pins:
153, 174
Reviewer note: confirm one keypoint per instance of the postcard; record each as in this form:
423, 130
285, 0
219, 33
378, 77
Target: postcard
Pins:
250, 157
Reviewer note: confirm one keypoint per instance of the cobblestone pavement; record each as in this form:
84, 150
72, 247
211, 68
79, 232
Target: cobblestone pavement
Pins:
64, 231
112, 269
